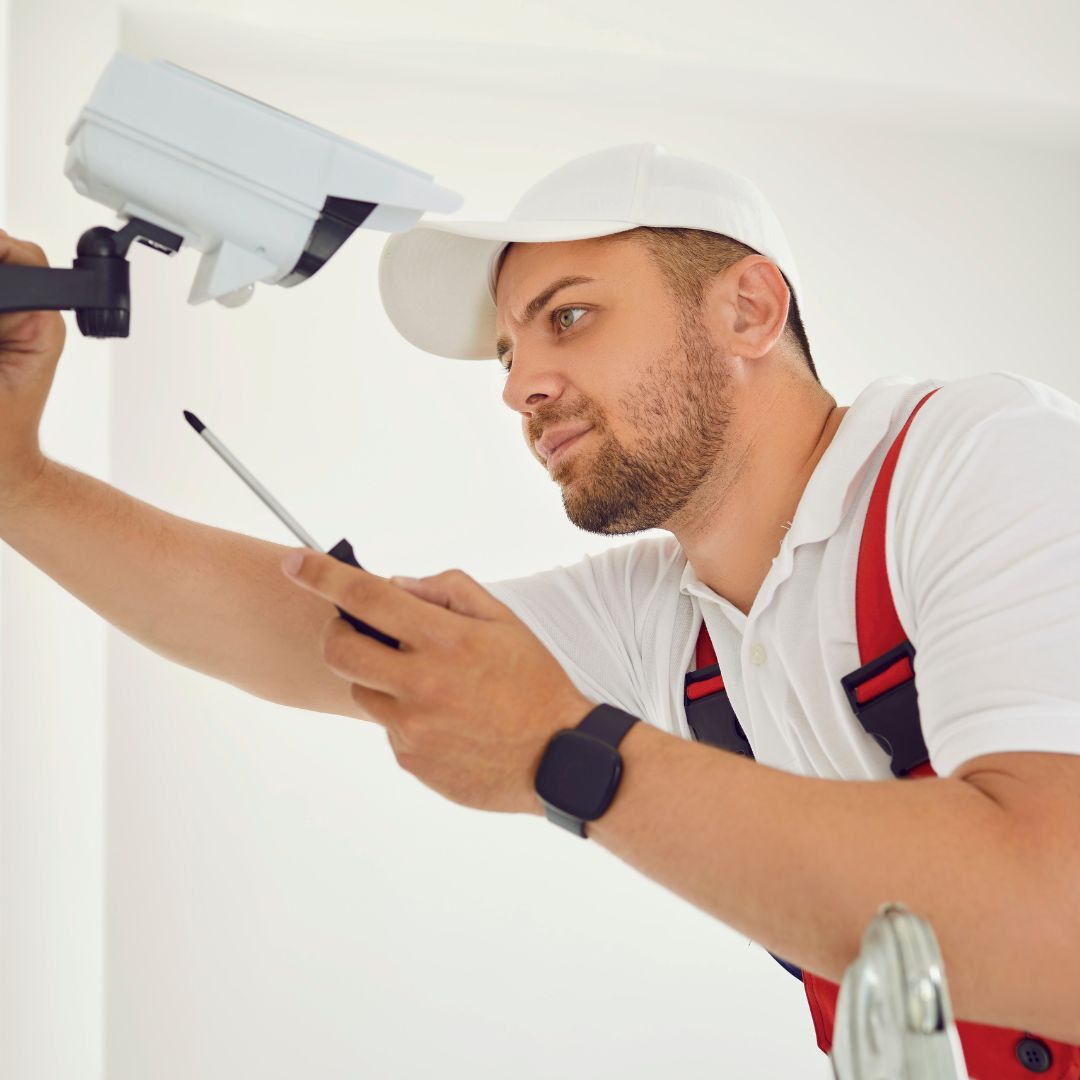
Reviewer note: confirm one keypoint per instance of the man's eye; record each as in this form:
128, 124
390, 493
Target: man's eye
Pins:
557, 317
557, 320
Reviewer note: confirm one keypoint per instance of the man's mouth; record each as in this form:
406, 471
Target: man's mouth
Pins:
563, 448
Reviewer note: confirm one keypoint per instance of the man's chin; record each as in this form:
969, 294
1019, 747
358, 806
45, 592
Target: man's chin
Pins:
594, 517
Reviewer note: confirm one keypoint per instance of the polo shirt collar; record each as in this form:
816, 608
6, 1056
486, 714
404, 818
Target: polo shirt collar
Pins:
833, 485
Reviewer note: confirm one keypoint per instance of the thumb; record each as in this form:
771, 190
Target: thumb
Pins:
455, 591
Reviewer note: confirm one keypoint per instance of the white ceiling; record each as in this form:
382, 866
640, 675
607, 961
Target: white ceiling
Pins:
1004, 50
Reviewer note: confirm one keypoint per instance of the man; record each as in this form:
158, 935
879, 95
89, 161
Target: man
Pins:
664, 381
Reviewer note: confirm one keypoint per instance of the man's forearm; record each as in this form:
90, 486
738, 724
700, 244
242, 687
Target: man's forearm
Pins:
801, 865
209, 599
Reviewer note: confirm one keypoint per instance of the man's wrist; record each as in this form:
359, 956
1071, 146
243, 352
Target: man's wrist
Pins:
647, 760
571, 714
581, 769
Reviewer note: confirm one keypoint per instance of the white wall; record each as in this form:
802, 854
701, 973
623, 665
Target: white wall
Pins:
53, 650
283, 900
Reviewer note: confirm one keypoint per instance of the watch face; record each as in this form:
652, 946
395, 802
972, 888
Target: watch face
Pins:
578, 775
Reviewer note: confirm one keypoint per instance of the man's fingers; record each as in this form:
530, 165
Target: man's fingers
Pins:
359, 658
375, 707
21, 252
368, 597
455, 591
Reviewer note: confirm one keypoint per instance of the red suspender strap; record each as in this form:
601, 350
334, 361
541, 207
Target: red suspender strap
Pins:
877, 624
705, 656
882, 692
705, 653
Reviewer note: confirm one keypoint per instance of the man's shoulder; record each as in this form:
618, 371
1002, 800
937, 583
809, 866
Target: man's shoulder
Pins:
979, 414
985, 451
963, 403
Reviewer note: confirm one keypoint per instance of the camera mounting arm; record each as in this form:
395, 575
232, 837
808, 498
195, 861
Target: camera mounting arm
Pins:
97, 288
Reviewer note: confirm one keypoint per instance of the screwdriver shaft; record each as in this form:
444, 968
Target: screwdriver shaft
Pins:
286, 518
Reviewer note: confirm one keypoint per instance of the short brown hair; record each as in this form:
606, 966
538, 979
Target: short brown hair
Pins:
690, 258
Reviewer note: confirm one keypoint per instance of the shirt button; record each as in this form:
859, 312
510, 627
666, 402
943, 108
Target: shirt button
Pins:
758, 656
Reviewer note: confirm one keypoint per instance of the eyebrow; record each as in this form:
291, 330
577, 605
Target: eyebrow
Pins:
537, 304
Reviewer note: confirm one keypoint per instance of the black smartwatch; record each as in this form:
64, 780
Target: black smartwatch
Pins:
580, 771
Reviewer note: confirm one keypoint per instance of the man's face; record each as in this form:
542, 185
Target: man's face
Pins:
616, 359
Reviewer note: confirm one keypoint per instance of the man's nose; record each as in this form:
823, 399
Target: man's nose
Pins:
532, 381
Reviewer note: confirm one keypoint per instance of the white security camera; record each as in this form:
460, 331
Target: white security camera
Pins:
263, 195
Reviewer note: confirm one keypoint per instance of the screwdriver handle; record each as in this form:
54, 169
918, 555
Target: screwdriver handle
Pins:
343, 552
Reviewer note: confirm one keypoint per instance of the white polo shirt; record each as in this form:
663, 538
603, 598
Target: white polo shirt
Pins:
982, 552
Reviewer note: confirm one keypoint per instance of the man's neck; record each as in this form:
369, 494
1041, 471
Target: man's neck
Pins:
739, 523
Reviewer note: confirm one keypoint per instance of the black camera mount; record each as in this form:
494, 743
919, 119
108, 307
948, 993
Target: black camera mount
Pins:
97, 288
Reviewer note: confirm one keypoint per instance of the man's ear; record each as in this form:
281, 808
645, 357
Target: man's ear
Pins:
752, 300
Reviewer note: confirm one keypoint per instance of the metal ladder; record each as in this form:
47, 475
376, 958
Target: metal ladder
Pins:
894, 1018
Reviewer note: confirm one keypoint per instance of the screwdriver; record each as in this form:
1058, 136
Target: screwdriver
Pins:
342, 550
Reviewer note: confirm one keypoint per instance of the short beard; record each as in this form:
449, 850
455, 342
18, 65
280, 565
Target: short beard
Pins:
682, 412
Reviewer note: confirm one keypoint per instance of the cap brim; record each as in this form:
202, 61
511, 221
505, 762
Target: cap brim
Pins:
434, 279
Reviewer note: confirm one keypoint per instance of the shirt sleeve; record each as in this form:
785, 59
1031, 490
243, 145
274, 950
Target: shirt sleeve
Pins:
593, 614
984, 559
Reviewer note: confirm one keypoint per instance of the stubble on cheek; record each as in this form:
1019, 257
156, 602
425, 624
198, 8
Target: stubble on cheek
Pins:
679, 417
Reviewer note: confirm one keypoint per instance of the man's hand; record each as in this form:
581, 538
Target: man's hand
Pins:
469, 701
30, 346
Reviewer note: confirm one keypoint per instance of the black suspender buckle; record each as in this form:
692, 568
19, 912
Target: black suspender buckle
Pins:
712, 718
892, 717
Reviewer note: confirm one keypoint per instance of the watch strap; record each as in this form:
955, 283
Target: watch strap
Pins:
607, 724
567, 821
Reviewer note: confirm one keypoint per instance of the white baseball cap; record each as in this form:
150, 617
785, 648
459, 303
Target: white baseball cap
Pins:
437, 279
